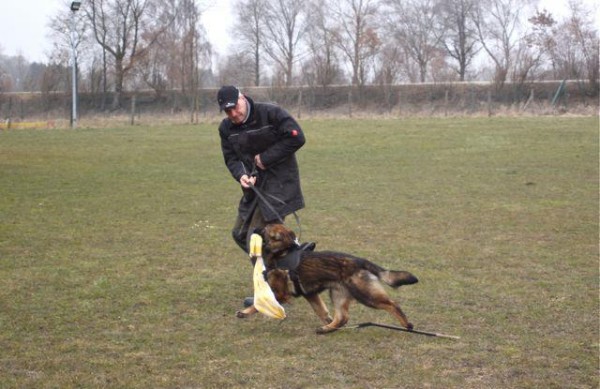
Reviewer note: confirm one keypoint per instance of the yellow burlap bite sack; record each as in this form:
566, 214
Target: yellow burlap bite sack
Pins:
264, 299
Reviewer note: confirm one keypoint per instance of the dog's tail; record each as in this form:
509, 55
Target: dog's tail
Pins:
394, 278
397, 278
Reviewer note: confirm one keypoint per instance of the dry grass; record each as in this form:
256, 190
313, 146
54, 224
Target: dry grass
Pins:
117, 267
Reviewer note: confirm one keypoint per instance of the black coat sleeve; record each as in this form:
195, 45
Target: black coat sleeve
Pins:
291, 137
232, 161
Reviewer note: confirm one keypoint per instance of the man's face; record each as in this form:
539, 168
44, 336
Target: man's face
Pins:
238, 113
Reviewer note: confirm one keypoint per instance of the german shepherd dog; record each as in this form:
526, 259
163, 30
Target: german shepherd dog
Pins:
347, 278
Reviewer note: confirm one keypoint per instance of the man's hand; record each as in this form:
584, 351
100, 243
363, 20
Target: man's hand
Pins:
247, 181
258, 162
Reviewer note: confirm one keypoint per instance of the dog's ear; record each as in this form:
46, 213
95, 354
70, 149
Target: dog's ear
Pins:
290, 235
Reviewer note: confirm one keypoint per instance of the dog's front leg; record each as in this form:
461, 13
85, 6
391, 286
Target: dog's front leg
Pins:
317, 304
341, 303
251, 310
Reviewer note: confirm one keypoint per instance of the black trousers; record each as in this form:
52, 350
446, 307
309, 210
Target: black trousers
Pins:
243, 229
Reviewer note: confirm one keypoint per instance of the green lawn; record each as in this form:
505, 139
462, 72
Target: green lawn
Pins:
117, 268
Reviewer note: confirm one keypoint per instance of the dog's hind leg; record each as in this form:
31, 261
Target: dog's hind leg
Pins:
317, 304
393, 308
368, 291
383, 301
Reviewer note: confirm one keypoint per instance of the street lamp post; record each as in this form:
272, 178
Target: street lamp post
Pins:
74, 8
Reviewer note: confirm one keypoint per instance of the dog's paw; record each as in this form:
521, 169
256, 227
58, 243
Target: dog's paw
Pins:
409, 326
325, 330
241, 315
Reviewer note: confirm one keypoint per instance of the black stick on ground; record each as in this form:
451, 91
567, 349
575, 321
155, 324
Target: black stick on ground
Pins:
390, 327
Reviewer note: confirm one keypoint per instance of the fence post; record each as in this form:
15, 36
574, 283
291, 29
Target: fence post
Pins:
489, 100
399, 102
350, 102
446, 103
133, 109
559, 92
529, 100
9, 120
300, 104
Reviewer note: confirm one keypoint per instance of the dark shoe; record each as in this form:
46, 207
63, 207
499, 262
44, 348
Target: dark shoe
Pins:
248, 302
308, 246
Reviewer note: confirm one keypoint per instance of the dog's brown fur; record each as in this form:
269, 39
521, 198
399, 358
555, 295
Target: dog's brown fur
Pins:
346, 277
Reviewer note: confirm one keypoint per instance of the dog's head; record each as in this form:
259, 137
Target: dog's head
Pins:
278, 238
278, 280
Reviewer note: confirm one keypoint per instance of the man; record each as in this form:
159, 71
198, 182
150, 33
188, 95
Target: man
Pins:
259, 141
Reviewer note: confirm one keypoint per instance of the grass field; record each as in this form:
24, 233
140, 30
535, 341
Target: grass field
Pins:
117, 268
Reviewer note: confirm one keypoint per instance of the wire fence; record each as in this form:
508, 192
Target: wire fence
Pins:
440, 99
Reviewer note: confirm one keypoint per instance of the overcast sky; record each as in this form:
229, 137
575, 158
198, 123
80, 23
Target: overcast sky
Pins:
24, 24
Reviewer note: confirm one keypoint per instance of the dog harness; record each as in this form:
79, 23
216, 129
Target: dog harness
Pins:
291, 261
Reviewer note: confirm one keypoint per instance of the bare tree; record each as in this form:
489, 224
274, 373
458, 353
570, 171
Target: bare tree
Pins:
232, 70
389, 69
196, 50
95, 77
581, 31
179, 55
527, 62
251, 24
6, 82
416, 26
530, 51
125, 29
498, 24
101, 36
163, 66
323, 63
53, 80
156, 65
458, 34
356, 34
285, 27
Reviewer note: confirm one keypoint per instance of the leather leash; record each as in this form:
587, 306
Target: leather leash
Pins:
262, 198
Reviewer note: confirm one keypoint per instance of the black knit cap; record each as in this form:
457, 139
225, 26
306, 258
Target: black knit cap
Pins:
228, 96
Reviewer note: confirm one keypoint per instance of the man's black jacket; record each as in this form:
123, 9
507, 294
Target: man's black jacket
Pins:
272, 133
